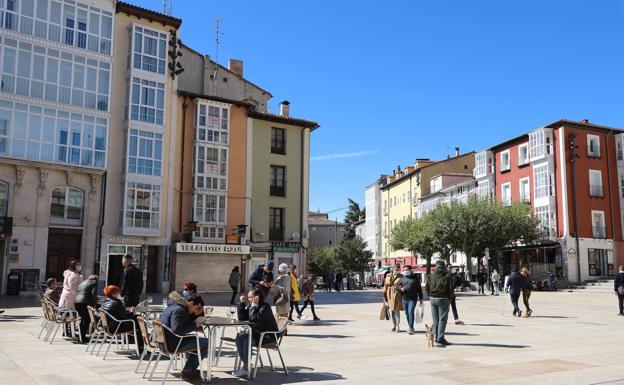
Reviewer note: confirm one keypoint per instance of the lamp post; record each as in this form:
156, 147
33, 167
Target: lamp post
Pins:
572, 144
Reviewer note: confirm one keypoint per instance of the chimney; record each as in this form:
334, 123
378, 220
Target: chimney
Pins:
585, 121
457, 151
236, 66
284, 108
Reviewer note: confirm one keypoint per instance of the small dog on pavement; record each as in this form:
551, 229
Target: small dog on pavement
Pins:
429, 334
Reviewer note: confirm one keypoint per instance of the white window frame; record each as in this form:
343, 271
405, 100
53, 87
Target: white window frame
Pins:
593, 152
144, 58
212, 122
505, 154
595, 190
537, 144
541, 176
523, 148
543, 214
140, 108
525, 196
506, 201
156, 141
155, 192
480, 169
483, 189
595, 231
4, 198
208, 174
65, 220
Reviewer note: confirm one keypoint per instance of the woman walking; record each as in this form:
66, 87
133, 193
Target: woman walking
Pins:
282, 285
72, 279
307, 286
526, 290
234, 281
295, 295
392, 297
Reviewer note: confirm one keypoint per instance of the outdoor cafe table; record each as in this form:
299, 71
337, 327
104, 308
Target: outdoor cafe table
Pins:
212, 323
150, 309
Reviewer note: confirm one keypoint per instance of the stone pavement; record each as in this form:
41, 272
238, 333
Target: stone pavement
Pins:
572, 338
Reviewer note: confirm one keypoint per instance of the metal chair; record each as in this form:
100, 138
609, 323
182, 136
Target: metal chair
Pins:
148, 343
166, 350
47, 322
96, 328
115, 335
282, 325
58, 317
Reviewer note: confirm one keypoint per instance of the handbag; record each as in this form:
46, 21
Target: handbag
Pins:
419, 313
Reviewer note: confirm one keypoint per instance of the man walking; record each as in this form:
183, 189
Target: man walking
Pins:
454, 279
618, 286
132, 282
440, 288
409, 286
496, 282
481, 278
515, 285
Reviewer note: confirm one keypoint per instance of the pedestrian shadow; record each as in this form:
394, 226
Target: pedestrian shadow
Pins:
321, 323
296, 374
322, 336
501, 325
488, 345
16, 318
550, 316
461, 334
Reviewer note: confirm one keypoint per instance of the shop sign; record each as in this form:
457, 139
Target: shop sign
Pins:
286, 247
211, 248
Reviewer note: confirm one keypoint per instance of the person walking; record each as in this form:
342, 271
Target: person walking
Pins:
409, 286
329, 278
295, 295
526, 290
515, 283
439, 286
392, 297
86, 295
132, 282
72, 279
618, 286
339, 281
481, 279
496, 282
552, 281
453, 302
283, 288
234, 281
307, 286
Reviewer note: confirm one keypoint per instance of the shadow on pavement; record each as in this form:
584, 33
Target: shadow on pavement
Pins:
318, 335
549, 316
321, 323
497, 325
486, 345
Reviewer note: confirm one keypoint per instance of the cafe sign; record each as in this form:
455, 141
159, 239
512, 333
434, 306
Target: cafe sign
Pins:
286, 247
211, 248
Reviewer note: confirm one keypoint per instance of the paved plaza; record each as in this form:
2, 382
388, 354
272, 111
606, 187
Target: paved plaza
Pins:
572, 338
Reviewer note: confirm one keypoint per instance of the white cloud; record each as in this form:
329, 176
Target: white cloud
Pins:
343, 155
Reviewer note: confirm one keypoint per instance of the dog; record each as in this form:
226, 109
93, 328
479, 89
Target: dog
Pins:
429, 334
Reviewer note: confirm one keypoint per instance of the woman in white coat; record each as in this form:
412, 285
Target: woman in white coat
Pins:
72, 279
283, 287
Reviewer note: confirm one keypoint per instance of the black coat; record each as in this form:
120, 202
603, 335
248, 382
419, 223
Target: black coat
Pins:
87, 293
261, 318
481, 278
619, 281
177, 318
515, 283
116, 309
131, 285
413, 289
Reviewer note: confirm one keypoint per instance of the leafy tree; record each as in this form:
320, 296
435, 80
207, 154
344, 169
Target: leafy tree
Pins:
352, 256
321, 260
351, 217
416, 236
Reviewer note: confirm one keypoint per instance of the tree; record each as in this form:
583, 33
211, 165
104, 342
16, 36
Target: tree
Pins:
352, 216
416, 236
321, 260
352, 256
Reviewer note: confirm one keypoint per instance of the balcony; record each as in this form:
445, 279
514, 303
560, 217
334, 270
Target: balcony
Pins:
595, 191
599, 232
276, 234
277, 191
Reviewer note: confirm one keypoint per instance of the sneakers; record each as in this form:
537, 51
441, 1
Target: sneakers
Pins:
444, 342
411, 331
298, 316
316, 318
520, 313
459, 322
394, 328
240, 373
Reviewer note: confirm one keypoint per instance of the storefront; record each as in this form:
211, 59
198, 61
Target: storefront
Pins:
288, 253
538, 259
208, 265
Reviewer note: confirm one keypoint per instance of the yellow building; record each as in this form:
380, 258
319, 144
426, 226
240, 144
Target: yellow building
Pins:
400, 195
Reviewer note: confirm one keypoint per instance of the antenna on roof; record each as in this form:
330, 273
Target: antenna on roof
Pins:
167, 9
218, 43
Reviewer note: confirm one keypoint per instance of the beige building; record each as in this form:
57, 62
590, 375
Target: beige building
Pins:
402, 192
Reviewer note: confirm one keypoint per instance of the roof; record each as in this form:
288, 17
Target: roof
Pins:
216, 99
322, 221
284, 119
148, 14
228, 70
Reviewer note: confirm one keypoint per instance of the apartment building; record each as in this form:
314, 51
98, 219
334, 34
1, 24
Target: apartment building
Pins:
55, 118
325, 232
401, 194
372, 226
571, 198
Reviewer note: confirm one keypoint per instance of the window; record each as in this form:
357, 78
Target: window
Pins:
595, 183
147, 101
144, 153
506, 194
619, 148
150, 50
505, 161
276, 224
210, 233
278, 181
593, 146
209, 208
621, 185
142, 206
66, 206
598, 261
523, 154
212, 123
525, 190
598, 224
4, 199
541, 179
278, 141
537, 144
210, 167
543, 214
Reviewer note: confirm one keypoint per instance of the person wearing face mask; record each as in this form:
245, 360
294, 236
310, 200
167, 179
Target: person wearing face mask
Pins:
392, 297
72, 279
409, 287
115, 307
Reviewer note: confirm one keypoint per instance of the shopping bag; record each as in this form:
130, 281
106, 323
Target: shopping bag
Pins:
383, 315
419, 313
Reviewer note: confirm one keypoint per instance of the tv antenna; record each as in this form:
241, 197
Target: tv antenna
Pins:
218, 43
167, 9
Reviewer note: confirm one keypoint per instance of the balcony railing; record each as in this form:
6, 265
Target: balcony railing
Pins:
599, 232
276, 234
595, 190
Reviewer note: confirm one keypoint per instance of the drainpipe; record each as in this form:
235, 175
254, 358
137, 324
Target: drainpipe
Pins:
301, 196
98, 239
572, 143
184, 106
610, 201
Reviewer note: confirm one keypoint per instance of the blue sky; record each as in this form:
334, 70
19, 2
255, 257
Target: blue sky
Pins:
393, 81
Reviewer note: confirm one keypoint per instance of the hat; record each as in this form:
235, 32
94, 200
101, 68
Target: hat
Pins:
441, 263
270, 265
283, 268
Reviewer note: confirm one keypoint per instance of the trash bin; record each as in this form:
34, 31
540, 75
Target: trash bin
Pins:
13, 284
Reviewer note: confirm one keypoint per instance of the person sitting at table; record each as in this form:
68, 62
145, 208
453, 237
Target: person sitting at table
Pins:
189, 288
179, 316
260, 315
51, 293
115, 307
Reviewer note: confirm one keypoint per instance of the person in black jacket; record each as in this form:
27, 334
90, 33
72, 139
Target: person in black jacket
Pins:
618, 286
132, 282
116, 308
86, 295
515, 285
455, 279
411, 290
261, 317
481, 280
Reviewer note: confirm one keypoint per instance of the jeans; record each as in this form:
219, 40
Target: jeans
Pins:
621, 303
192, 361
409, 305
396, 317
481, 289
234, 292
496, 289
439, 313
242, 346
514, 302
454, 308
526, 294
294, 305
